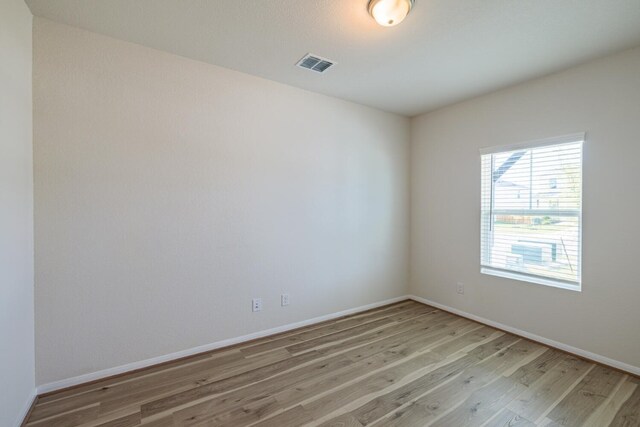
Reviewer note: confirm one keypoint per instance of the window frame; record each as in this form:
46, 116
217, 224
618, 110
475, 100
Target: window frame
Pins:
487, 235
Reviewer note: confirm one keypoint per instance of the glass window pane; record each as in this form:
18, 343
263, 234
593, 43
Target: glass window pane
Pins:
531, 211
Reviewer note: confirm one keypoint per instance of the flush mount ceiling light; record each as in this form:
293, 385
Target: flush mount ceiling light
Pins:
389, 12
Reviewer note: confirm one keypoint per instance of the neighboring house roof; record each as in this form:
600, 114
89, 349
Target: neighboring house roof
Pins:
508, 184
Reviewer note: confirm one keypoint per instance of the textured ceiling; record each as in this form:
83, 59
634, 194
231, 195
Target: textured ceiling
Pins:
445, 51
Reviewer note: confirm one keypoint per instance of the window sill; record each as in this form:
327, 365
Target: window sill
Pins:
530, 279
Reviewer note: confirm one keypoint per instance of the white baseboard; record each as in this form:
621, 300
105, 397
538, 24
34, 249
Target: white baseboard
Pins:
57, 385
93, 376
551, 343
25, 410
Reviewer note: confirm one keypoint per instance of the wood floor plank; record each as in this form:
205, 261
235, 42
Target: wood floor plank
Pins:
124, 393
441, 401
161, 390
161, 422
289, 396
532, 371
347, 408
333, 380
273, 385
296, 416
586, 397
331, 328
409, 327
347, 421
506, 418
545, 393
429, 321
483, 404
405, 364
69, 419
338, 336
216, 357
629, 413
470, 341
608, 410
130, 420
374, 383
189, 371
227, 384
383, 405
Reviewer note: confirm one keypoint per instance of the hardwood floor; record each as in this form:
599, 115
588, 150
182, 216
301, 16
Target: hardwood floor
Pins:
406, 364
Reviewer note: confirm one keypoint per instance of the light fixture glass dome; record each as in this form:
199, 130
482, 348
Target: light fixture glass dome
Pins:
389, 12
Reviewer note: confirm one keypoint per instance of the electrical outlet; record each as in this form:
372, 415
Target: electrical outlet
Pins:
284, 299
256, 304
460, 288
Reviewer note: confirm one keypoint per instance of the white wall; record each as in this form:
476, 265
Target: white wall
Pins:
601, 98
16, 213
170, 192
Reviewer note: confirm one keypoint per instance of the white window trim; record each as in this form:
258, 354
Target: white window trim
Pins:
556, 140
530, 278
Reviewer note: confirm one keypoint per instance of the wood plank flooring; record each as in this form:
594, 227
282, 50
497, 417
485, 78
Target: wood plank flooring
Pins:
405, 364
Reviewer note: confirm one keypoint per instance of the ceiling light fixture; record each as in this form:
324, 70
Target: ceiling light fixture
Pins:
389, 12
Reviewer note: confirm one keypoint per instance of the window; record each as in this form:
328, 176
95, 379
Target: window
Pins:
531, 206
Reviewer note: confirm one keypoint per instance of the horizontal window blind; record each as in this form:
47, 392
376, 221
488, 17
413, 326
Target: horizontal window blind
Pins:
531, 212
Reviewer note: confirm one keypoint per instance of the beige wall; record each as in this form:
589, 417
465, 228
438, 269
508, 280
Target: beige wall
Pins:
601, 98
16, 213
170, 192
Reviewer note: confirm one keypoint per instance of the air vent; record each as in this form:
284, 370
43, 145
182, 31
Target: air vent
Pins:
315, 63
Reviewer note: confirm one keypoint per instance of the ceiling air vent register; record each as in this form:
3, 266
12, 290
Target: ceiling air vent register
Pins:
315, 63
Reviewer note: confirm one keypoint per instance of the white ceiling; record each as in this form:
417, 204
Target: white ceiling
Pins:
445, 51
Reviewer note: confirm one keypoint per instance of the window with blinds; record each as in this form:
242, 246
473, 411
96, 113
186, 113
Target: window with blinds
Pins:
531, 211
